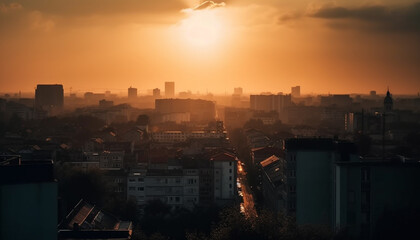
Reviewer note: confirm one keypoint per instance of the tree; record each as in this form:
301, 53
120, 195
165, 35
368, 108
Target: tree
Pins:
74, 184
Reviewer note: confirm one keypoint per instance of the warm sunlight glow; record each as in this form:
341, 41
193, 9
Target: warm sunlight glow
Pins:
202, 28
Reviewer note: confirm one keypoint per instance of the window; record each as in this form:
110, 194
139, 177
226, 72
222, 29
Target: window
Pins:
131, 180
141, 179
230, 163
292, 206
131, 188
177, 199
230, 177
230, 170
230, 185
292, 189
140, 188
365, 174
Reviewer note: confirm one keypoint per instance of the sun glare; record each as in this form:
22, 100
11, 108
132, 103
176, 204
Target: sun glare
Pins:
202, 28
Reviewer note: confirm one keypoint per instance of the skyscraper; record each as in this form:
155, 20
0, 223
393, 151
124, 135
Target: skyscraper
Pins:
132, 92
169, 89
48, 96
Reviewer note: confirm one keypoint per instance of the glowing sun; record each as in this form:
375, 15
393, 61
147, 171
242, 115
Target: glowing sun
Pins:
202, 28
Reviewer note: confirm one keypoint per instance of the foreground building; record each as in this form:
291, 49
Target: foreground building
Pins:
372, 193
328, 184
28, 200
310, 178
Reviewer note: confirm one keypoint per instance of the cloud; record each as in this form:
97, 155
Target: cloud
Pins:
28, 15
209, 5
101, 7
205, 5
372, 18
4, 8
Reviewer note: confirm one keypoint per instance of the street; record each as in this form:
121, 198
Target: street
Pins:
247, 207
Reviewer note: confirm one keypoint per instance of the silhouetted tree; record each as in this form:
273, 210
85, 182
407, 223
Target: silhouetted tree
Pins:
74, 185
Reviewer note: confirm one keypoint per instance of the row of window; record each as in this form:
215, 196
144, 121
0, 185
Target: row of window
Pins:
134, 188
134, 179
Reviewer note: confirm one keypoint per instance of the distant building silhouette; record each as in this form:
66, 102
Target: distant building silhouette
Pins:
271, 102
296, 91
105, 103
132, 92
339, 100
199, 110
238, 91
156, 93
169, 89
49, 96
373, 93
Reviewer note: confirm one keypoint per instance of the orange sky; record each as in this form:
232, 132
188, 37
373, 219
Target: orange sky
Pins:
264, 45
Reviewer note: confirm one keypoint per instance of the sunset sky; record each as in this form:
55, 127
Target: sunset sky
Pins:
261, 45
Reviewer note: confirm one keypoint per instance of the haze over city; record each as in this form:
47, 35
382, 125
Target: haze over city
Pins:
209, 120
337, 47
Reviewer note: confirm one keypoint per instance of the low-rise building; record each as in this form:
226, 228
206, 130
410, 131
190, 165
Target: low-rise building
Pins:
274, 183
87, 221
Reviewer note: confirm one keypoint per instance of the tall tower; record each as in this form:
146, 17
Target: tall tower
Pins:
169, 89
388, 102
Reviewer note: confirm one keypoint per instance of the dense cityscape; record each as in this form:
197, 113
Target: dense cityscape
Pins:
209, 120
259, 166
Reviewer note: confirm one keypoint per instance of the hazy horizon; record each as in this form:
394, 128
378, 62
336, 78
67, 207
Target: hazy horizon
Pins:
324, 47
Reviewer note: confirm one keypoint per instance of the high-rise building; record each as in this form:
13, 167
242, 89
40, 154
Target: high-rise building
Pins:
199, 110
296, 91
48, 96
271, 102
310, 164
169, 89
132, 92
156, 93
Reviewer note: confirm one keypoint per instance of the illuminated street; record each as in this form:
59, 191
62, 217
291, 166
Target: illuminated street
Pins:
247, 207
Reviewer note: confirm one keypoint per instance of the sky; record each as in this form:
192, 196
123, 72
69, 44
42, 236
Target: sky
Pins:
211, 46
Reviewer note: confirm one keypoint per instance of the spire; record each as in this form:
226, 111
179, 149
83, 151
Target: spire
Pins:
388, 102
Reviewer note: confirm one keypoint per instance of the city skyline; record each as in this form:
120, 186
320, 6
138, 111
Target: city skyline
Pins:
122, 92
209, 119
213, 46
